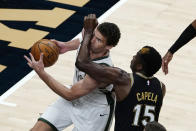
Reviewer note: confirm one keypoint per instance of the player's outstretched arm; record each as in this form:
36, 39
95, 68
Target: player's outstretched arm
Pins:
79, 89
67, 46
188, 34
104, 74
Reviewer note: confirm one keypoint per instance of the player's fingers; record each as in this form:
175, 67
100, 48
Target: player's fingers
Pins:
165, 67
90, 15
30, 65
85, 17
96, 22
32, 58
166, 70
41, 57
29, 61
53, 40
93, 16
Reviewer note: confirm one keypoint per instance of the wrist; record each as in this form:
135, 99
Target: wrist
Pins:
170, 52
88, 32
40, 73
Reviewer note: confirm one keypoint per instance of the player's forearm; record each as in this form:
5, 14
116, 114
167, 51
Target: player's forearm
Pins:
84, 54
188, 34
72, 44
54, 85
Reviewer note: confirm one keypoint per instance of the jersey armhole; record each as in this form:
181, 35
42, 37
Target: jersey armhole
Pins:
161, 84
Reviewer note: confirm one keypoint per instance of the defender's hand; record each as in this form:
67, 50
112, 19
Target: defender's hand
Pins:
90, 23
165, 61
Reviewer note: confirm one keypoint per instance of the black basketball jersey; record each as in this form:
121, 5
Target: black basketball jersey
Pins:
142, 105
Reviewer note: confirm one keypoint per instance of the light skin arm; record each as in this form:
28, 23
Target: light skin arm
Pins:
79, 89
67, 46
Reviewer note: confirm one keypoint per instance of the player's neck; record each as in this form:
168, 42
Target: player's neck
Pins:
98, 55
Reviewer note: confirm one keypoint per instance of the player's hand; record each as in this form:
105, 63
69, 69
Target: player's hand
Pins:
62, 47
165, 61
90, 23
38, 66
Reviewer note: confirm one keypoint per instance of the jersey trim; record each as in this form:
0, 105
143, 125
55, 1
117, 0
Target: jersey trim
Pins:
132, 79
100, 58
104, 64
47, 122
143, 76
111, 103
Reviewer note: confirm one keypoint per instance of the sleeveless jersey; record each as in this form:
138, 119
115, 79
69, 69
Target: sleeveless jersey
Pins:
97, 96
142, 105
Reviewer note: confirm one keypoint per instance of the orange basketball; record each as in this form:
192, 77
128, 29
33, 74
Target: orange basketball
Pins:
48, 48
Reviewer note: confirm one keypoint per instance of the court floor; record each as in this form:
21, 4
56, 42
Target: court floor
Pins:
157, 23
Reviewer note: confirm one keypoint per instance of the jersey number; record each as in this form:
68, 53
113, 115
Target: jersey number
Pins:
148, 113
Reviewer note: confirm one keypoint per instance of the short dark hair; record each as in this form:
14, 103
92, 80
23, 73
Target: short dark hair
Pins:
154, 126
111, 32
151, 60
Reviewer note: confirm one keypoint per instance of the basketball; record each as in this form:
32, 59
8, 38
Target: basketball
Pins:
49, 49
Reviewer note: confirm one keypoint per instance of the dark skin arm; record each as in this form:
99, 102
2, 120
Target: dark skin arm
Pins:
83, 62
108, 75
101, 73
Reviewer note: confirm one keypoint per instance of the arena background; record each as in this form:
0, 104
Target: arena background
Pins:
142, 22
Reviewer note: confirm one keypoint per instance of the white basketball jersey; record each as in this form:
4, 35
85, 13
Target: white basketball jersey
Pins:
97, 95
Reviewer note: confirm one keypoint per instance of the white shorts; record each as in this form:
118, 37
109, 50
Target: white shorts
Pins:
85, 117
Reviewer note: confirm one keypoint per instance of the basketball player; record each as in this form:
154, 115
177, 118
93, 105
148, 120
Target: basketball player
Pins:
139, 94
188, 34
154, 126
88, 104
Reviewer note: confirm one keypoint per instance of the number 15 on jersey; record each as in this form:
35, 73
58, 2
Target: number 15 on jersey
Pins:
148, 113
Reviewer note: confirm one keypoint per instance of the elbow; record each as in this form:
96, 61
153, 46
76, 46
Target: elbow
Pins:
81, 65
78, 64
70, 98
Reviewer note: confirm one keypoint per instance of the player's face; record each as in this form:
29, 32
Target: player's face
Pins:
98, 42
134, 63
